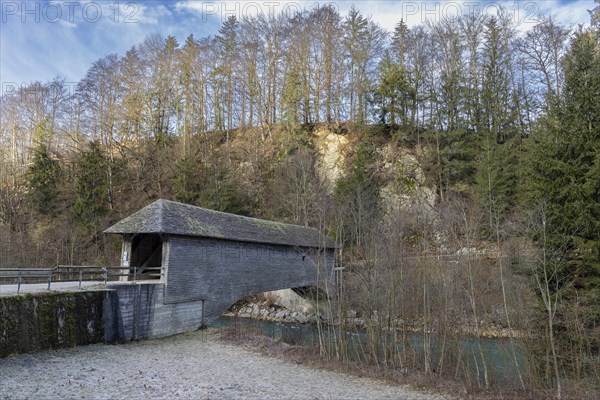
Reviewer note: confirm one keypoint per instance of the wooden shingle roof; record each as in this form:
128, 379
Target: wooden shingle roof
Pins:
165, 216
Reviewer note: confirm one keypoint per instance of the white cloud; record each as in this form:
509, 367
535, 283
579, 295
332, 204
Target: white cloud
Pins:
150, 15
221, 10
570, 13
525, 13
67, 24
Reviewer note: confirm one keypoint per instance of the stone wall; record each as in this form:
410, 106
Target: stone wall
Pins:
50, 320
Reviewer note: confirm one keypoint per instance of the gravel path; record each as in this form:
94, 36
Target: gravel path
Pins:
190, 366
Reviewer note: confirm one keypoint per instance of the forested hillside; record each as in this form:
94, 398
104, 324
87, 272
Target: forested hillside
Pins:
465, 138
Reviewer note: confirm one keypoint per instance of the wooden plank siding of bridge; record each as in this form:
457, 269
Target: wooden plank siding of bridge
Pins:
201, 261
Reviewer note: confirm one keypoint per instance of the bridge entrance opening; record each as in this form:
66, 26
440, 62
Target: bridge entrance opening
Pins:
146, 256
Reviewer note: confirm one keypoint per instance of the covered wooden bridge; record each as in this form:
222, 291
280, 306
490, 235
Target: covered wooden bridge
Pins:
191, 264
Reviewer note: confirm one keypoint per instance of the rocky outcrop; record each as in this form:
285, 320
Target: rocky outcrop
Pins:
281, 305
287, 306
406, 188
404, 184
332, 155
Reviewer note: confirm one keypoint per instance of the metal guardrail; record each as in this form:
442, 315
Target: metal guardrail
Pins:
73, 273
105, 274
20, 274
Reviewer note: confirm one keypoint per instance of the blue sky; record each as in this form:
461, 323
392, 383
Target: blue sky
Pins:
43, 39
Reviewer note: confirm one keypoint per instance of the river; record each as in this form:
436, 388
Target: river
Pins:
497, 352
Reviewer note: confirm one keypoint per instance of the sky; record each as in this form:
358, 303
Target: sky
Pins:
43, 39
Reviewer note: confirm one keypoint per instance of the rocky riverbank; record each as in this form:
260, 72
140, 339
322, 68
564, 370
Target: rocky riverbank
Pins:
286, 306
272, 307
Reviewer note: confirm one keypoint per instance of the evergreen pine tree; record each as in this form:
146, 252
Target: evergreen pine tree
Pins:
564, 173
91, 202
187, 180
44, 178
391, 95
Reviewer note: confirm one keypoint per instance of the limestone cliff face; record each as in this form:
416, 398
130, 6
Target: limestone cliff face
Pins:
404, 180
405, 188
332, 149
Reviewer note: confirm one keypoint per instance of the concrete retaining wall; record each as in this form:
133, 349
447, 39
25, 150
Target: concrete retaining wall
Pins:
121, 312
49, 320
